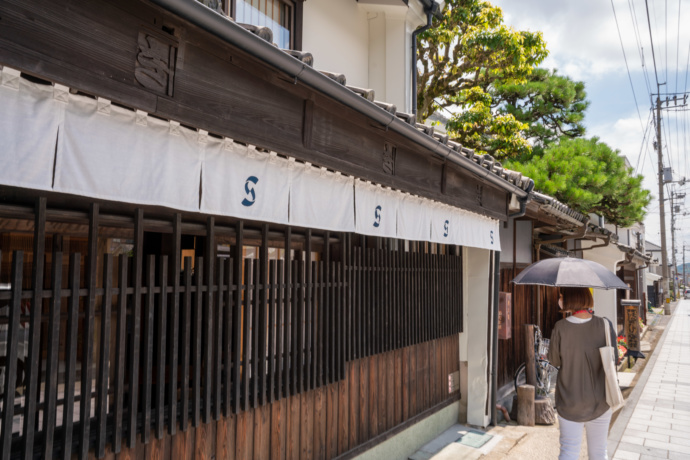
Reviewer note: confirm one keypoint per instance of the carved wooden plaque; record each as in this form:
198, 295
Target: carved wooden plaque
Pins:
155, 65
389, 158
479, 197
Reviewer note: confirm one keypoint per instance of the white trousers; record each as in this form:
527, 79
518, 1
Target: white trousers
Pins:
597, 434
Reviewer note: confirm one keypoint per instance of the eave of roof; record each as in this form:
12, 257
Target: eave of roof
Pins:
601, 232
634, 253
227, 30
559, 210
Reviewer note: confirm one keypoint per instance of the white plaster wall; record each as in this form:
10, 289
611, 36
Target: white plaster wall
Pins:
605, 301
367, 41
337, 34
473, 341
523, 241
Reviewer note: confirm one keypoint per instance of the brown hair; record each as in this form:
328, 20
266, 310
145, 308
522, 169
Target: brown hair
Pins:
576, 298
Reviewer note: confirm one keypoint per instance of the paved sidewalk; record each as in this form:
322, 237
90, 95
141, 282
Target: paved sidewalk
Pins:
656, 422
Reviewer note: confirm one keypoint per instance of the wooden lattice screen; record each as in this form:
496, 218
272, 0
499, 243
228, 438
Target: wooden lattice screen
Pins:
172, 339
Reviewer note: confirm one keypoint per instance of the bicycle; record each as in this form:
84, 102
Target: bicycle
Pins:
547, 373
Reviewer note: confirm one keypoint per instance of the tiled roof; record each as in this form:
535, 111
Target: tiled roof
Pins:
559, 209
634, 253
595, 230
563, 211
484, 160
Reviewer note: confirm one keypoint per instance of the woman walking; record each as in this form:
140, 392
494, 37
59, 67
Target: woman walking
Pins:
580, 391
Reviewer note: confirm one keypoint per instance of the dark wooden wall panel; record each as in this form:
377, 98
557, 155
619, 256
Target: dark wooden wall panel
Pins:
511, 352
93, 47
107, 46
316, 424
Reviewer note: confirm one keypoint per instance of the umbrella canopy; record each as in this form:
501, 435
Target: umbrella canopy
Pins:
570, 272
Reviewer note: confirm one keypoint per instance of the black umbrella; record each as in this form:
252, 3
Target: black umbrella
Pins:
570, 272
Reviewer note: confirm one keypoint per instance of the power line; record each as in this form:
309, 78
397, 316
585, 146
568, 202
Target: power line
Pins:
685, 145
677, 142
666, 39
677, 45
687, 65
656, 75
647, 154
685, 151
636, 30
667, 143
644, 144
626, 66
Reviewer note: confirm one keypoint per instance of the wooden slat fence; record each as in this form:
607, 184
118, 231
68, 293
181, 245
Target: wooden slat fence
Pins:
525, 303
342, 344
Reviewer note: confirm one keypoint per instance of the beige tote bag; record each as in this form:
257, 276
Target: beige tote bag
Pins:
614, 397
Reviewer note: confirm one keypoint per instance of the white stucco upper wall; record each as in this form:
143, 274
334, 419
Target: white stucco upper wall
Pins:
368, 41
337, 34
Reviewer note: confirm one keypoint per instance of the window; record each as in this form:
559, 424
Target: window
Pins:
281, 16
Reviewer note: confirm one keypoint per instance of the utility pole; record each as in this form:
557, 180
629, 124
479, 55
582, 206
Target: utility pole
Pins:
675, 209
662, 213
671, 101
673, 248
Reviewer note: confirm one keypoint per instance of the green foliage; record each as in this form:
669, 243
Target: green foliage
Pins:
472, 48
551, 105
479, 128
590, 177
528, 117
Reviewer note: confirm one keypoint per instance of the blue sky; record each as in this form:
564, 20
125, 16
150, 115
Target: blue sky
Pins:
584, 44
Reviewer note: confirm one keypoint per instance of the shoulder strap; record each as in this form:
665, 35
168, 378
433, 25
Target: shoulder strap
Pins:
607, 331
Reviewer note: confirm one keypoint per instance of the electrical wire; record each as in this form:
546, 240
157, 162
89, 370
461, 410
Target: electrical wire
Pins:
644, 141
685, 89
675, 116
636, 30
677, 45
667, 144
625, 58
651, 41
685, 144
666, 40
653, 165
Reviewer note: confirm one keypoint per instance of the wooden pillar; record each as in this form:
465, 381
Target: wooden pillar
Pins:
530, 370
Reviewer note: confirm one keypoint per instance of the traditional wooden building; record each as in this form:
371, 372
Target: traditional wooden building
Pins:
210, 249
548, 229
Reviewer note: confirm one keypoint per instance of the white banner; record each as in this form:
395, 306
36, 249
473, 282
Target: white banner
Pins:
53, 140
442, 224
116, 154
29, 120
321, 199
450, 225
414, 218
476, 231
376, 210
243, 182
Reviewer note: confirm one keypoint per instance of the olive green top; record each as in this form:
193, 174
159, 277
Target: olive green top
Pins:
574, 347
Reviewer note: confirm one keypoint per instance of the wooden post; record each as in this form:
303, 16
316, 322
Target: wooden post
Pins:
530, 370
543, 412
525, 401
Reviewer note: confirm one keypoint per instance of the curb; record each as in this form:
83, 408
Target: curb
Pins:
618, 428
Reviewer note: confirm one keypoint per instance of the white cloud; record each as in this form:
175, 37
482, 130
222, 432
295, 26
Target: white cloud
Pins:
583, 38
584, 44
